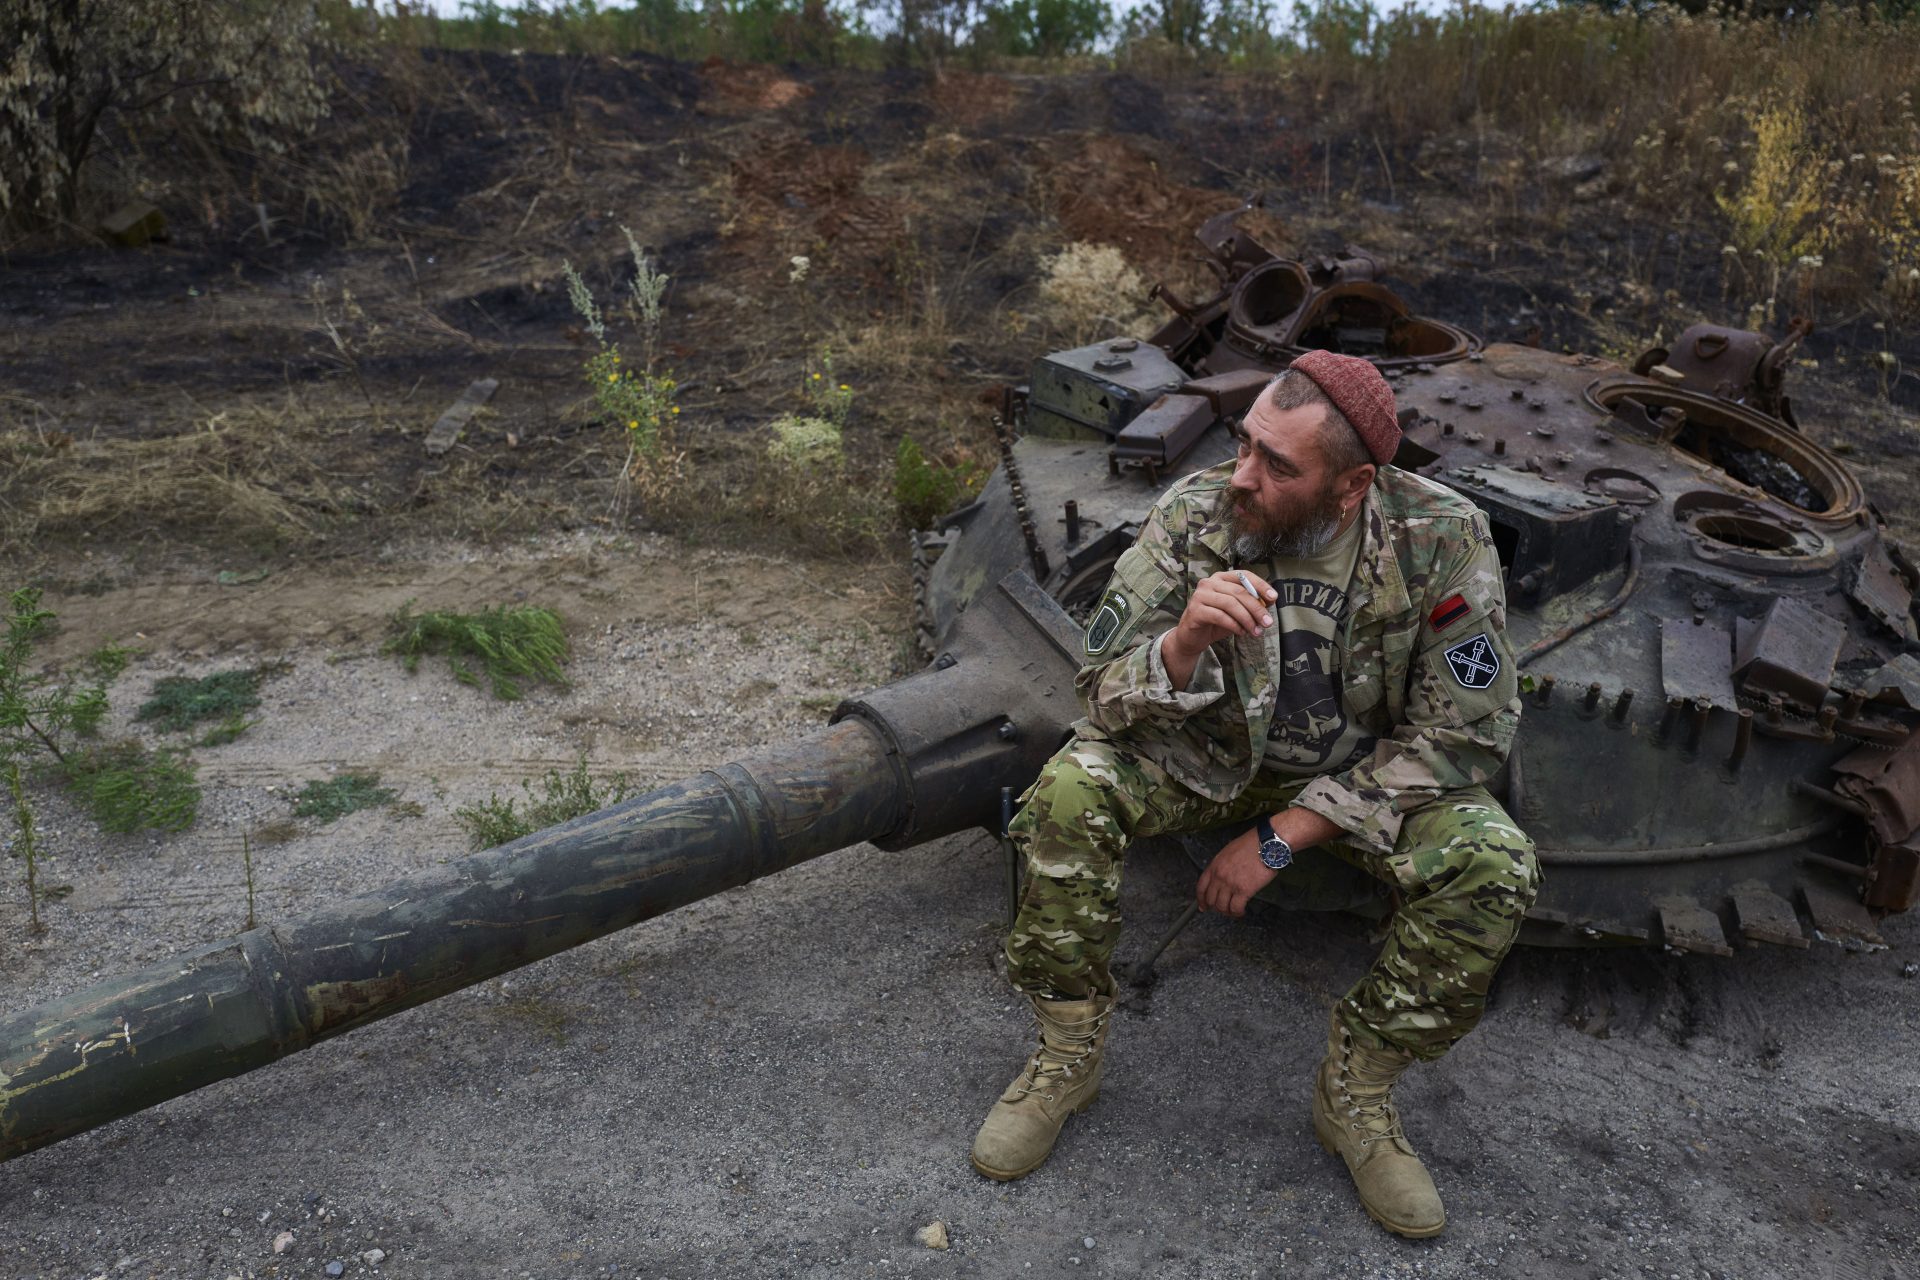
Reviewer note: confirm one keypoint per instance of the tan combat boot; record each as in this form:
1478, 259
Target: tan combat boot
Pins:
1061, 1079
1354, 1117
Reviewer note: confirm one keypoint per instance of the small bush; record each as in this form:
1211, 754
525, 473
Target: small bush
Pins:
633, 393
828, 399
495, 821
127, 787
43, 713
923, 490
807, 490
331, 799
1776, 213
46, 717
509, 643
1090, 291
177, 703
805, 442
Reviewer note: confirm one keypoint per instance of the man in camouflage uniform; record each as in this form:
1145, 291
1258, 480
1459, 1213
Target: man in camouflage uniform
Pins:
1367, 717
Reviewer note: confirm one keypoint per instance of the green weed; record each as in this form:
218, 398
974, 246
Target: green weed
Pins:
330, 799
178, 703
509, 644
47, 716
127, 787
42, 714
924, 488
828, 399
226, 731
495, 821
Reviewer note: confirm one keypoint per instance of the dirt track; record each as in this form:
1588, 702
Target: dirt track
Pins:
783, 1080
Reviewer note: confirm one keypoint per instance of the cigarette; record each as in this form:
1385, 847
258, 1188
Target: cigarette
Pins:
1247, 582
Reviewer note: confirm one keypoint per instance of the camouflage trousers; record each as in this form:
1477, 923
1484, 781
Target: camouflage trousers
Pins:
1465, 875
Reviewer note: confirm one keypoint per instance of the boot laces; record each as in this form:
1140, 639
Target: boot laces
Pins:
1369, 1099
1064, 1050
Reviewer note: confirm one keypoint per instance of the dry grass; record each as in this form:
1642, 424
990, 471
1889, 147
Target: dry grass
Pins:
1798, 137
237, 474
276, 473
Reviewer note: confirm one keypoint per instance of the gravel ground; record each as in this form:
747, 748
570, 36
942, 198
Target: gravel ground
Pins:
783, 1080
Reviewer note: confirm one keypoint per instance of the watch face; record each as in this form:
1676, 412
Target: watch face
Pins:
1276, 854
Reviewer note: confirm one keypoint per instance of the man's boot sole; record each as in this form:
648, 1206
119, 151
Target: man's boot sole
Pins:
1009, 1175
1400, 1229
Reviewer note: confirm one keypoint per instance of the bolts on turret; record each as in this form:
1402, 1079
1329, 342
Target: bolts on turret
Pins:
1621, 705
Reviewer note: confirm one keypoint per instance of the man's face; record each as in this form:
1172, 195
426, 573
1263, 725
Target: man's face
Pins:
1284, 502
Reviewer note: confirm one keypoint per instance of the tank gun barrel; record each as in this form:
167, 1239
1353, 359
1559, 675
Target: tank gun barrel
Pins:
919, 758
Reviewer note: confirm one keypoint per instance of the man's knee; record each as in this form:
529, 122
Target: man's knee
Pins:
1076, 806
1470, 851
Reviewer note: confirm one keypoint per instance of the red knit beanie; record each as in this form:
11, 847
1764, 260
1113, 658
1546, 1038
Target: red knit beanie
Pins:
1361, 394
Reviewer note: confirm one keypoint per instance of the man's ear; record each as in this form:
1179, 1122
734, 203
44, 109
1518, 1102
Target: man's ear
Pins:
1357, 480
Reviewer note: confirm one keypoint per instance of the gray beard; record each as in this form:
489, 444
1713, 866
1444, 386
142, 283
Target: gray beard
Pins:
1308, 538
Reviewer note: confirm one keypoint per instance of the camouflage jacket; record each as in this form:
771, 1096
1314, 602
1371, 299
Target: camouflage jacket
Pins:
1425, 665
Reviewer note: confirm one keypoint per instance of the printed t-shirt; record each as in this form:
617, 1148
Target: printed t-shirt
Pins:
1311, 731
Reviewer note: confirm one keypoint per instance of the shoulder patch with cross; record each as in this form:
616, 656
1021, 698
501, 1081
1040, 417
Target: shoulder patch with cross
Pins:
1473, 662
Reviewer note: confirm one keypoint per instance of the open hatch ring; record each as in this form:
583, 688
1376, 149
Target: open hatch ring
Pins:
1734, 531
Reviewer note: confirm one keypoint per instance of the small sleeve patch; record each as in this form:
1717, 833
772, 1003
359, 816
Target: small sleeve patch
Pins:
1449, 611
1107, 622
1473, 662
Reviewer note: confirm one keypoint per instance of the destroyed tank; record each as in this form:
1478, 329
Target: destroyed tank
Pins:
1717, 640
1716, 636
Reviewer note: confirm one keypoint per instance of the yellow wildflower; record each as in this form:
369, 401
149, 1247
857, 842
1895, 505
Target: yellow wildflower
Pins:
613, 377
816, 377
845, 387
634, 425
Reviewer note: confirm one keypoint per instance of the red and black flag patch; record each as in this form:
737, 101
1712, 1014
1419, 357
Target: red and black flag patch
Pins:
1448, 612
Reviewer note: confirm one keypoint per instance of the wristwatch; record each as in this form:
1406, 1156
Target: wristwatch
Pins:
1275, 854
